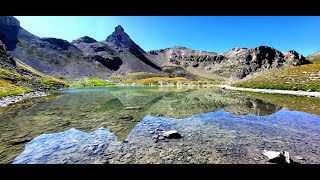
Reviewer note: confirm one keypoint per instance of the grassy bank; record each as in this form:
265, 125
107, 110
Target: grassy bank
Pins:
167, 80
146, 78
13, 83
133, 76
86, 82
305, 77
8, 89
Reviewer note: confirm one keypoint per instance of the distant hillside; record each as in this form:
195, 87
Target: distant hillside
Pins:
314, 58
235, 63
17, 77
305, 77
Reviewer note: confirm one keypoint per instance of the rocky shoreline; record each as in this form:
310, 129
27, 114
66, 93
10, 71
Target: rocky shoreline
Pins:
273, 91
6, 101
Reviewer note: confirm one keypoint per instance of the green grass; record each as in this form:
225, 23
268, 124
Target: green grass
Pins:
13, 83
88, 81
8, 89
145, 78
12, 75
133, 76
158, 80
305, 77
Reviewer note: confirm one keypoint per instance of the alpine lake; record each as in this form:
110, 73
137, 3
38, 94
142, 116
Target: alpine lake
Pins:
125, 125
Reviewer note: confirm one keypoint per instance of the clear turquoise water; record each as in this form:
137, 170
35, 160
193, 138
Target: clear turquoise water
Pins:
120, 109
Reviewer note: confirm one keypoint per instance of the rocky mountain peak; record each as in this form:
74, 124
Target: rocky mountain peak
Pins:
9, 21
122, 39
84, 39
63, 44
119, 29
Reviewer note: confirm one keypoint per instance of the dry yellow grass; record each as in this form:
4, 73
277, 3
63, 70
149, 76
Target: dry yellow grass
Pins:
158, 80
305, 77
167, 80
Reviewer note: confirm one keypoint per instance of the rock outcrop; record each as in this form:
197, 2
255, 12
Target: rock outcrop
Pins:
84, 39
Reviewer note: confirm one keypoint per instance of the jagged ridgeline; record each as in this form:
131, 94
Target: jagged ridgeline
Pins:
119, 54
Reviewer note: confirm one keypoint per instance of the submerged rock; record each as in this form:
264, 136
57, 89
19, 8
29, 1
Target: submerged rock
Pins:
72, 146
132, 108
172, 134
299, 157
277, 157
127, 118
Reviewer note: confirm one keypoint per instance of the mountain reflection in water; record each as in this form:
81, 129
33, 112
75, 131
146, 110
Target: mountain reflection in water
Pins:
117, 108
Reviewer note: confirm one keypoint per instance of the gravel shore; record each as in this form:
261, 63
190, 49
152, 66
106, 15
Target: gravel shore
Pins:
5, 101
273, 91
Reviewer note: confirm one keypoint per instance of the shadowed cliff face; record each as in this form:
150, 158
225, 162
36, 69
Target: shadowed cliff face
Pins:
9, 27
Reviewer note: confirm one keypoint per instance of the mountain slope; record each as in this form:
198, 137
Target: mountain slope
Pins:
59, 57
305, 77
17, 77
48, 55
314, 58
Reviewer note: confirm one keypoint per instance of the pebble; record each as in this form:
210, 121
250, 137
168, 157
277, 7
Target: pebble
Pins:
4, 102
299, 157
161, 137
133, 108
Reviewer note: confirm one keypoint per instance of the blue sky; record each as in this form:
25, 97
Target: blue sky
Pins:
210, 33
